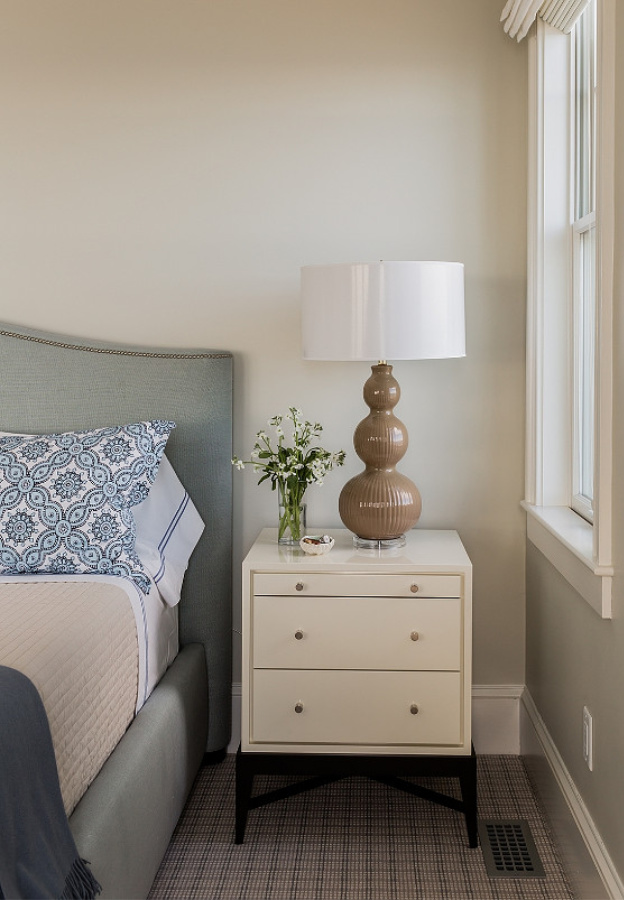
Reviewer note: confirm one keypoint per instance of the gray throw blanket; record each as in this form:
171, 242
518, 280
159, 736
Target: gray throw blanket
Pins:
38, 855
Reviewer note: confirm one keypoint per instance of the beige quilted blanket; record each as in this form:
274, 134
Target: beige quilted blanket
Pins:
77, 643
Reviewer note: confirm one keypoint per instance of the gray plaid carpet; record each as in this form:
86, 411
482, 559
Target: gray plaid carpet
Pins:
351, 840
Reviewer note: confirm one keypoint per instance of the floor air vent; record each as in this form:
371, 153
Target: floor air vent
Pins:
509, 850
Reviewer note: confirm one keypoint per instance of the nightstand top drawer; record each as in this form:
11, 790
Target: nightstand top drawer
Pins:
355, 585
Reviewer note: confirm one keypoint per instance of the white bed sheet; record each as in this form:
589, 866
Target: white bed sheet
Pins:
156, 623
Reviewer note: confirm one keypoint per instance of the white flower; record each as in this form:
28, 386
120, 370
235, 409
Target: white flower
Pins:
291, 468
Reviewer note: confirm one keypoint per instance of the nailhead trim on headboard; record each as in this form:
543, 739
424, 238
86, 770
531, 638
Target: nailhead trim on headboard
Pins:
115, 352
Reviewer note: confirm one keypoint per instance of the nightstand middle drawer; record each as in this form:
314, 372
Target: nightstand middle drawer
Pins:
390, 633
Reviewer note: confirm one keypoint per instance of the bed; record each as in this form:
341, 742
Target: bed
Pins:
123, 822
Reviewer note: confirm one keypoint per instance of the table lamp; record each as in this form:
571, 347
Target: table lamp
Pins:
381, 311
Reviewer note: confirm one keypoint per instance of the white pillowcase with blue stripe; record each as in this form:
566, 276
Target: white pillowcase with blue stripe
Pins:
168, 528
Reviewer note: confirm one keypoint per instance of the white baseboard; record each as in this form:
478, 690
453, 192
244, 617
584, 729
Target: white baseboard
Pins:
495, 718
587, 861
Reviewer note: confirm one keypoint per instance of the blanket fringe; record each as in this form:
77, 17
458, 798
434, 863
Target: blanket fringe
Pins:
80, 883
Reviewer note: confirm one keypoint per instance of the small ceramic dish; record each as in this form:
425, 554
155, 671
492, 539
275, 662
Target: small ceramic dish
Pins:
316, 544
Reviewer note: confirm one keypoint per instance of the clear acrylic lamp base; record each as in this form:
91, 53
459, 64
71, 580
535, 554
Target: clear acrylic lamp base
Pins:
379, 544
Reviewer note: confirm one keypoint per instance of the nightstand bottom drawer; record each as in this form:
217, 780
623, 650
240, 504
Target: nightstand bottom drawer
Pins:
356, 707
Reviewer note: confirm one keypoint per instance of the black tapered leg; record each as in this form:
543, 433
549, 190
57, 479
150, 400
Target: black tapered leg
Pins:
244, 784
468, 784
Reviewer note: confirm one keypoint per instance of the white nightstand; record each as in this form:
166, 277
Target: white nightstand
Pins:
358, 661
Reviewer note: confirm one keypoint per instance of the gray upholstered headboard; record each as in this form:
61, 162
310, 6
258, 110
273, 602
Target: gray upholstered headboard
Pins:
53, 383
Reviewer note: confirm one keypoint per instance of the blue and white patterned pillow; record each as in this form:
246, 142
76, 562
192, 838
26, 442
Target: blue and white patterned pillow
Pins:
66, 499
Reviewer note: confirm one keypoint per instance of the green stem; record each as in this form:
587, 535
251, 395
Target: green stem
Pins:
290, 523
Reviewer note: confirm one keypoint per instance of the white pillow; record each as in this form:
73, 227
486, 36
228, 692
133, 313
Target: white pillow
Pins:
168, 528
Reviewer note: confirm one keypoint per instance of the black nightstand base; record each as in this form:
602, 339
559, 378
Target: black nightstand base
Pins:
325, 768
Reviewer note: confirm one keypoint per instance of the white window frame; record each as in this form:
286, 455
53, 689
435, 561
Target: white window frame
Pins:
579, 549
584, 262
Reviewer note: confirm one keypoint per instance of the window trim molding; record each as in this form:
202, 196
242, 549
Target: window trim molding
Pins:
605, 242
565, 539
580, 551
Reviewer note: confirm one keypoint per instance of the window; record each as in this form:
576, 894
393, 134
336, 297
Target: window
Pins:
569, 354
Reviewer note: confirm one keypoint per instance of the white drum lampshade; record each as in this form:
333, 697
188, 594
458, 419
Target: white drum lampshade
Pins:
382, 311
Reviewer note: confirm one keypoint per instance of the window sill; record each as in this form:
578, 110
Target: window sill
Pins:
566, 540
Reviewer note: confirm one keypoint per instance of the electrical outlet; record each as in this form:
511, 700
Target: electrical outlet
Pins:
588, 736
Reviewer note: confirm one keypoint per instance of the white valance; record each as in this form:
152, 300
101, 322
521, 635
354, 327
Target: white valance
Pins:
519, 15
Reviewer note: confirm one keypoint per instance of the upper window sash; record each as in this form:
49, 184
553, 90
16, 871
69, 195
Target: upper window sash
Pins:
585, 90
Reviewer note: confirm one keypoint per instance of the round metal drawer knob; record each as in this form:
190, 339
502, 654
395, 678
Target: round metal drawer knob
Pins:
299, 635
299, 586
299, 707
414, 588
414, 635
414, 709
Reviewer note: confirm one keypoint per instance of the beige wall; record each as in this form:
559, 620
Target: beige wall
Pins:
168, 165
574, 658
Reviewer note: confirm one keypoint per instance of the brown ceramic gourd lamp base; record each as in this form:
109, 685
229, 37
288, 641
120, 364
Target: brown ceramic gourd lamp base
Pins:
379, 505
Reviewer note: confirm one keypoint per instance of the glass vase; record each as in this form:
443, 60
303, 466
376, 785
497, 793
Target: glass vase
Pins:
291, 512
